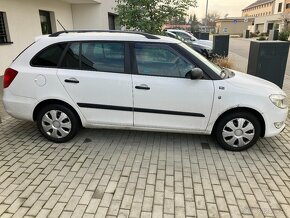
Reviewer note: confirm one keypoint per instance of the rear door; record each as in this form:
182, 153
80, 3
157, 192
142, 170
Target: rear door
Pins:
98, 80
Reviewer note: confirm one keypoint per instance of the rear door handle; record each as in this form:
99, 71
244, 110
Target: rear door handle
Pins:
72, 80
142, 86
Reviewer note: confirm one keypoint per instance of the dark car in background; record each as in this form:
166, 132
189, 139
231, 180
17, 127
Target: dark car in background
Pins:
203, 47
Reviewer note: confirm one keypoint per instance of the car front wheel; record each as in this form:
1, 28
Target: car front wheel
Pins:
57, 123
238, 131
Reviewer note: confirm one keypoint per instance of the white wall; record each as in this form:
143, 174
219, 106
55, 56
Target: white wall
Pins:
24, 24
92, 16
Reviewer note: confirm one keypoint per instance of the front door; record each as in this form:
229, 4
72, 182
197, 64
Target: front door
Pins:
163, 97
99, 82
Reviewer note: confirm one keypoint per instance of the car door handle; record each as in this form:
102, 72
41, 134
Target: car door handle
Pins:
72, 80
143, 86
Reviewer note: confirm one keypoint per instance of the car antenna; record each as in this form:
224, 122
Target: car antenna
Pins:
62, 26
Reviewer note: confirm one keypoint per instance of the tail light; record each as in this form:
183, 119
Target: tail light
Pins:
9, 76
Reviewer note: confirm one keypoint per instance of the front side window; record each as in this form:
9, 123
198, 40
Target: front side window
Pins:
50, 56
160, 60
106, 57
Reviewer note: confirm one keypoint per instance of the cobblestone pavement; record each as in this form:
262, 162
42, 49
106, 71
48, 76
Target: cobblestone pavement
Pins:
112, 173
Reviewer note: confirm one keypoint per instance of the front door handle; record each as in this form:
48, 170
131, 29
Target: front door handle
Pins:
72, 80
142, 86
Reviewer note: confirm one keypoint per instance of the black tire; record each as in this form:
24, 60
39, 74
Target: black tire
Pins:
235, 142
205, 54
65, 130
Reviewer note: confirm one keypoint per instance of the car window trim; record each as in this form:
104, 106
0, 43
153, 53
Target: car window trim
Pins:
63, 55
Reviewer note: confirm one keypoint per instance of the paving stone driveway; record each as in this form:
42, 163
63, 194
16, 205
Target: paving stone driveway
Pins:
112, 173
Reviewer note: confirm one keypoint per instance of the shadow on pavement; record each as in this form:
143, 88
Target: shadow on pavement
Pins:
3, 114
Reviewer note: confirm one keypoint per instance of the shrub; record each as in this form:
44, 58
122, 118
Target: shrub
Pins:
253, 35
262, 38
264, 34
283, 36
223, 62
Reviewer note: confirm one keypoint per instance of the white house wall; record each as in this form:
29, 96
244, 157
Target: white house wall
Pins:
24, 24
92, 16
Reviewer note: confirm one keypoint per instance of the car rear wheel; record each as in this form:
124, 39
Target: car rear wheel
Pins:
57, 123
238, 131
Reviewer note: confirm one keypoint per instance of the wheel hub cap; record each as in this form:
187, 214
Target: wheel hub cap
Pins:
238, 132
56, 124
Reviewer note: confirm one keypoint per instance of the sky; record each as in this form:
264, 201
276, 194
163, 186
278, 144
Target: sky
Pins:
231, 7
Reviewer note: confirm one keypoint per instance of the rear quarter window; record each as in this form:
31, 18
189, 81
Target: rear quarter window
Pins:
49, 57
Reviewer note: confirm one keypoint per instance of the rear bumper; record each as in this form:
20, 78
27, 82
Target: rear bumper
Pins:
18, 106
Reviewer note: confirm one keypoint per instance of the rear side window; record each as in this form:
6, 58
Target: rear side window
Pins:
104, 57
50, 56
71, 59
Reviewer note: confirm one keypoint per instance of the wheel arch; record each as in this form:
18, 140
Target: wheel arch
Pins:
244, 109
40, 105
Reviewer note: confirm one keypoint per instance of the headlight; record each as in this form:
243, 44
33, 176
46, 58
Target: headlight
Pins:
279, 100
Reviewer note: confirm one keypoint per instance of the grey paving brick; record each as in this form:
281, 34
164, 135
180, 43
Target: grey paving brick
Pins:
101, 212
212, 210
57, 210
79, 211
73, 202
222, 204
135, 210
36, 208
51, 201
106, 200
20, 212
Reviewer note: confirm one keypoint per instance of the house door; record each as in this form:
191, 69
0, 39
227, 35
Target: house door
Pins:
270, 27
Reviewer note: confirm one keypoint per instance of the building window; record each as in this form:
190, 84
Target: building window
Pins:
280, 7
45, 22
112, 21
4, 34
287, 5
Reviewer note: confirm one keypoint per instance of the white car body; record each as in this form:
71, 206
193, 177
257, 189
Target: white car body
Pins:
205, 100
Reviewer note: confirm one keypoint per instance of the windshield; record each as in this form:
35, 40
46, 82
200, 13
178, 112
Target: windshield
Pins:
211, 65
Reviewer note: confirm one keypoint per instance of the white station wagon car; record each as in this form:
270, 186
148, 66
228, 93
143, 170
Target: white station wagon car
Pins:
131, 80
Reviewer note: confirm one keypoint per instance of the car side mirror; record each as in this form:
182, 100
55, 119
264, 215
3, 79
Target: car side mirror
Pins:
195, 74
192, 39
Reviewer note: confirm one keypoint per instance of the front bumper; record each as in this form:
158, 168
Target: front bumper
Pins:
280, 116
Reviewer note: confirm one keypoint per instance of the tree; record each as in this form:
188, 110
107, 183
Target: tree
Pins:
150, 15
285, 18
211, 18
193, 23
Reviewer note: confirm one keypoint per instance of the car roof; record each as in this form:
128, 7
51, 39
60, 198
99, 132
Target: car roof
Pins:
108, 36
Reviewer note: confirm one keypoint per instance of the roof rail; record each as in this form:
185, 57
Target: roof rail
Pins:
147, 35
